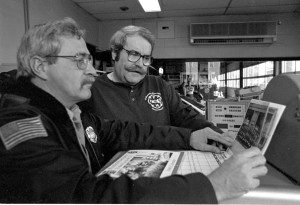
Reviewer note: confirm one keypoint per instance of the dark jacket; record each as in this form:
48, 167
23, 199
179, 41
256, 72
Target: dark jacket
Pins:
152, 101
48, 166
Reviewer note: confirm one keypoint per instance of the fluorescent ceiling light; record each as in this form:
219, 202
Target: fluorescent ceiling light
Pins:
150, 5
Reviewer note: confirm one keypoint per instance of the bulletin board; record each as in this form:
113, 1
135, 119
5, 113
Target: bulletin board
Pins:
227, 115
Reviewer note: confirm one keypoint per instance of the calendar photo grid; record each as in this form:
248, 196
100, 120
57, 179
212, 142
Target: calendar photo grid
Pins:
193, 161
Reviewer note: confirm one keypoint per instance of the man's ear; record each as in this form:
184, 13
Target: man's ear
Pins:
39, 67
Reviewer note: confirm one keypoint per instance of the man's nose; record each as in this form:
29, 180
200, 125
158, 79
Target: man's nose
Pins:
140, 62
91, 70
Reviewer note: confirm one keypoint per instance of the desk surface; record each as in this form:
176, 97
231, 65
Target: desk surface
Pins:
275, 188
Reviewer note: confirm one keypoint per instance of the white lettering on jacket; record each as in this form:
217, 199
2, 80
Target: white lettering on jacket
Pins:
155, 101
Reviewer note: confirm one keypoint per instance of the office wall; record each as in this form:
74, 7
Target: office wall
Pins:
11, 30
44, 10
12, 25
287, 44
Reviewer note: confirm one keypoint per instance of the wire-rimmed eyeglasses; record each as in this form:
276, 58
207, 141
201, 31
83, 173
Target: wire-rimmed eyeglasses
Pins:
82, 59
134, 56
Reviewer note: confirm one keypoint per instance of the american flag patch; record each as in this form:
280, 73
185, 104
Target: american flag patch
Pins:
22, 130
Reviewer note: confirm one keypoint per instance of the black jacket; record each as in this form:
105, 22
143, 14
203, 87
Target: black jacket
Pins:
152, 100
51, 168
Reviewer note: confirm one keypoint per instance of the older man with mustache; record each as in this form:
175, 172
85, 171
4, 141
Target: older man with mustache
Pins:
128, 93
50, 151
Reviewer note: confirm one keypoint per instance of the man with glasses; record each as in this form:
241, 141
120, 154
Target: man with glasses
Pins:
50, 151
128, 93
82, 59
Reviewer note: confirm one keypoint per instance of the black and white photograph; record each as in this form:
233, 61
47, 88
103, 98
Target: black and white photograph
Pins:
150, 102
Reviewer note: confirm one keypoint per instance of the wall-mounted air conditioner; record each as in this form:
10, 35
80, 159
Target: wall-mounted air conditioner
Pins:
233, 32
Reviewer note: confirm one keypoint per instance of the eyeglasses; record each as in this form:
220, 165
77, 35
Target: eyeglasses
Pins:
82, 59
134, 56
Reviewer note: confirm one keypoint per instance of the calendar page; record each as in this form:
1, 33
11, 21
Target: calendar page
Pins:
204, 162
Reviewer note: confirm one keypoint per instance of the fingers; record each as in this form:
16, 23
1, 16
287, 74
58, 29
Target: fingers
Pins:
229, 136
200, 138
258, 166
259, 171
257, 160
251, 152
220, 138
210, 148
252, 157
219, 145
226, 138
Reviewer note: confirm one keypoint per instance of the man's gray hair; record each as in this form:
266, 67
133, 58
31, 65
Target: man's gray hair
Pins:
45, 40
119, 39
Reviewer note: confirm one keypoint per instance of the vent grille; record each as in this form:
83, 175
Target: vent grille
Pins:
231, 41
249, 32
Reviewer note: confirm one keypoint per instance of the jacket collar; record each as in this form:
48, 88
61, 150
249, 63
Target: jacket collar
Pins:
48, 105
39, 98
51, 107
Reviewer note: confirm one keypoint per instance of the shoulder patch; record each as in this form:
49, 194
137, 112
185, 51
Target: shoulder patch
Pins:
19, 131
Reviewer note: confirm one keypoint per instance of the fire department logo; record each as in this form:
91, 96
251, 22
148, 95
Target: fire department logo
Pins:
91, 134
155, 101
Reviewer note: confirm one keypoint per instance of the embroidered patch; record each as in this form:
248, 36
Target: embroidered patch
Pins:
19, 131
91, 134
155, 101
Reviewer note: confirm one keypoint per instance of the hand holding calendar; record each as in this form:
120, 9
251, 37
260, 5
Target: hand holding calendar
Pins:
237, 175
200, 140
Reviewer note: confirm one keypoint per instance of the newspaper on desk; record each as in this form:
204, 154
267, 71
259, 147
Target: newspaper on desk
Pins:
257, 129
144, 163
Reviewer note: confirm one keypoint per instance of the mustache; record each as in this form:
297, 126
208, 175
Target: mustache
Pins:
88, 80
137, 69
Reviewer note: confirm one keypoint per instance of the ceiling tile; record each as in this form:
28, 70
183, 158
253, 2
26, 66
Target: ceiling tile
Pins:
110, 9
106, 6
129, 15
250, 3
260, 10
193, 12
193, 4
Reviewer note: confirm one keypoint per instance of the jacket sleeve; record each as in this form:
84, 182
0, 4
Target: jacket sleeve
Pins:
43, 170
192, 188
183, 115
119, 135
